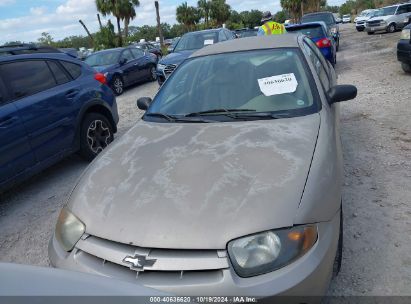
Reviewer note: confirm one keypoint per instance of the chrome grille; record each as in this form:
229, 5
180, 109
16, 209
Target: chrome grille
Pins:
169, 263
169, 69
373, 23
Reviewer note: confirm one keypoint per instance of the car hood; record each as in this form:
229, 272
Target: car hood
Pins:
197, 186
176, 58
379, 18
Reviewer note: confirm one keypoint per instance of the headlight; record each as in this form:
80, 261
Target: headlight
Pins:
69, 229
268, 251
161, 67
405, 34
383, 22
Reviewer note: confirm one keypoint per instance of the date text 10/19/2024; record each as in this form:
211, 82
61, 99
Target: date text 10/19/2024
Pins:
234, 299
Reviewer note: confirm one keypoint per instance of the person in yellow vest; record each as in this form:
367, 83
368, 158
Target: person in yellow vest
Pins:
270, 27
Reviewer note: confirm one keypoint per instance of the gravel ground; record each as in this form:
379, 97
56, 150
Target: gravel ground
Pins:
376, 136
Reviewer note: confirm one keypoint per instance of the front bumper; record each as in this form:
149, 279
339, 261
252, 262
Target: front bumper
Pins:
377, 28
404, 51
308, 276
360, 26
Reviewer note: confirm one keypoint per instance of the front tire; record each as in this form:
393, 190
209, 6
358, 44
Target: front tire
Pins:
406, 67
391, 28
153, 74
370, 33
95, 135
117, 85
338, 257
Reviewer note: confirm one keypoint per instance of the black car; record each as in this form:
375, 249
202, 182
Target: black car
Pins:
329, 19
150, 48
123, 67
404, 49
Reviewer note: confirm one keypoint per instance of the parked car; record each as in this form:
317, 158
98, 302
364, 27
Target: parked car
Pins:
404, 49
242, 194
346, 19
320, 34
51, 105
150, 48
362, 14
187, 45
173, 44
363, 17
329, 19
123, 67
337, 18
389, 19
246, 32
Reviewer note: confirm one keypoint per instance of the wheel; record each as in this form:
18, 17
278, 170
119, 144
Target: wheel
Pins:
370, 33
338, 45
153, 74
391, 28
406, 67
96, 134
117, 85
338, 256
335, 60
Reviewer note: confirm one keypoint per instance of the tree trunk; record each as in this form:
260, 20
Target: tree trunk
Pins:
99, 22
160, 30
120, 38
126, 23
88, 32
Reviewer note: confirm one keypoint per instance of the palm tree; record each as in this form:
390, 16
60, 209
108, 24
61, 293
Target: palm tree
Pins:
111, 7
220, 11
127, 12
204, 7
293, 7
187, 15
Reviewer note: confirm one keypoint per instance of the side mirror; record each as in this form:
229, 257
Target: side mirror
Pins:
123, 61
341, 93
143, 103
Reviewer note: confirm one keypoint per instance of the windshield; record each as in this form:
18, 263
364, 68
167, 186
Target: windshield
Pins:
195, 41
387, 11
104, 58
274, 81
312, 31
327, 18
346, 16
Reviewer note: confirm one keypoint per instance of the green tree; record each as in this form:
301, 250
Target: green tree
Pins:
281, 16
127, 12
204, 8
220, 11
45, 39
251, 18
187, 15
115, 8
293, 8
105, 38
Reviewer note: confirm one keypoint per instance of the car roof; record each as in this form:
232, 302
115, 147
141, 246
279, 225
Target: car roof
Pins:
111, 50
56, 56
301, 25
250, 43
204, 31
318, 13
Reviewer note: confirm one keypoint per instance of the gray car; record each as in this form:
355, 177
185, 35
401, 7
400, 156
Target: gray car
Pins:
229, 185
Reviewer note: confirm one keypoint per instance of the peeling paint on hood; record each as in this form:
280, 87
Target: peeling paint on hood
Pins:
197, 186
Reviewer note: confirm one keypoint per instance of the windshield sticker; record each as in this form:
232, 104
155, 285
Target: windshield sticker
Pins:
208, 42
279, 84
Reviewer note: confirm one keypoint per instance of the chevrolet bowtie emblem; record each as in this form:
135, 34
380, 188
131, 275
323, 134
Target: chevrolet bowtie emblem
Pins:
138, 262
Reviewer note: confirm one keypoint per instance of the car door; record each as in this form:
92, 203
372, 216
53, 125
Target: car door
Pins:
129, 68
46, 98
142, 63
16, 155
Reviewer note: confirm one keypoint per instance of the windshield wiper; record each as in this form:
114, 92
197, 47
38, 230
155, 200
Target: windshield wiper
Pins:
262, 115
173, 118
228, 112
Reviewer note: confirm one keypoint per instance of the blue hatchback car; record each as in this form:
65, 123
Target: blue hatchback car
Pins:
51, 105
321, 35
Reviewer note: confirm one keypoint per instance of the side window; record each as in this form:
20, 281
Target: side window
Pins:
319, 67
408, 8
137, 53
221, 36
59, 74
401, 10
29, 77
127, 54
73, 69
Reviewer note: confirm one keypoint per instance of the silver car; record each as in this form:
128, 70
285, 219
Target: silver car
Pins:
229, 185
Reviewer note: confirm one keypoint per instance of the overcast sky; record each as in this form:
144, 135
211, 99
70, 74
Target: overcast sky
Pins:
25, 20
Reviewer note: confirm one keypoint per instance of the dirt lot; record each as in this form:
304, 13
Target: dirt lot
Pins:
376, 136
